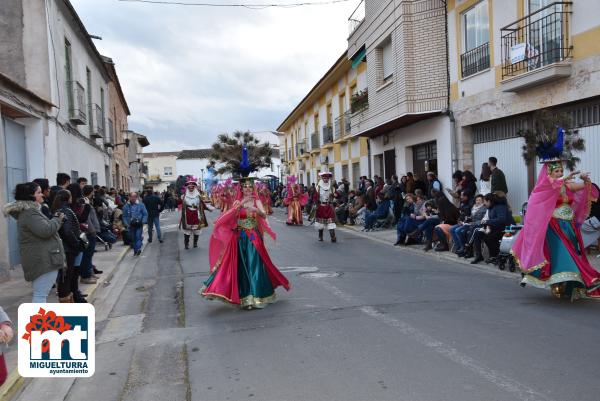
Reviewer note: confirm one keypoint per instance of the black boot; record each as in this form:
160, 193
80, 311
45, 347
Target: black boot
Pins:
428, 246
186, 241
478, 257
196, 241
320, 235
401, 240
332, 235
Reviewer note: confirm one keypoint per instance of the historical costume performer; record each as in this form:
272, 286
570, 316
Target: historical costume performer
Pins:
549, 250
227, 195
192, 214
242, 272
295, 201
325, 213
264, 195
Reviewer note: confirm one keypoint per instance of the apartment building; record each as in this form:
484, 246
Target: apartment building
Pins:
318, 135
509, 58
402, 104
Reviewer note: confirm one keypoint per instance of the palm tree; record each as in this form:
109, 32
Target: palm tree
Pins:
226, 154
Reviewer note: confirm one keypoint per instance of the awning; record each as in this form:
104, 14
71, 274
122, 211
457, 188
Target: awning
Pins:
359, 57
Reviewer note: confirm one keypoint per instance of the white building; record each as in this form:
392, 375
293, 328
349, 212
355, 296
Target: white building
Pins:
161, 168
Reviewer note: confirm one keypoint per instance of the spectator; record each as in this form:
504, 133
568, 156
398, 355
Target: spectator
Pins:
382, 211
370, 199
70, 233
432, 183
355, 207
498, 180
82, 182
362, 184
485, 183
402, 186
40, 247
93, 229
448, 214
590, 230
465, 208
498, 217
134, 218
420, 185
45, 187
429, 219
465, 230
154, 207
62, 182
410, 184
6, 334
407, 221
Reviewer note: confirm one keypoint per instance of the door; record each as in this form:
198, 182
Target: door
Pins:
389, 160
16, 172
546, 31
424, 159
355, 174
345, 172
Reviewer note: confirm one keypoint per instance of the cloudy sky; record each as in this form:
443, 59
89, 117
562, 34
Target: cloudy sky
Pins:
191, 73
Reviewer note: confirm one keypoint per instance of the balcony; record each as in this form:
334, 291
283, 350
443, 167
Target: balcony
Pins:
98, 126
327, 134
475, 60
110, 139
314, 141
359, 101
300, 148
358, 15
536, 48
76, 93
342, 126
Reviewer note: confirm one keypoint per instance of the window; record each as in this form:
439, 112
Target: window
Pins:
476, 37
94, 178
69, 74
88, 74
387, 61
168, 171
476, 26
74, 175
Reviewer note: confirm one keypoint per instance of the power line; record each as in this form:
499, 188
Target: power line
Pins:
241, 5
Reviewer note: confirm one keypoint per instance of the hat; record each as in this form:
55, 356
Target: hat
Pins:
191, 182
325, 174
247, 182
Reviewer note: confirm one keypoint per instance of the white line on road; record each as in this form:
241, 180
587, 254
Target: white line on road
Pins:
519, 390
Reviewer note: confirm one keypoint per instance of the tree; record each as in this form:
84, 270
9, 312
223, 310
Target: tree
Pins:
226, 154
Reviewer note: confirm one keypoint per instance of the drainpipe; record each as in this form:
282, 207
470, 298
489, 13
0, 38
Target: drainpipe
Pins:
369, 155
449, 112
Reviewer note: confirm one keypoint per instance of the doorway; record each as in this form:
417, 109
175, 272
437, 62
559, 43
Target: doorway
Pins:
425, 159
16, 173
389, 162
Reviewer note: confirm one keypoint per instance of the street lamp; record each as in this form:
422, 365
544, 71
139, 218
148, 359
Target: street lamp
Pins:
125, 142
202, 179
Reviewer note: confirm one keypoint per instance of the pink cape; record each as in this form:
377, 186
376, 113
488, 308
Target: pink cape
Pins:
529, 245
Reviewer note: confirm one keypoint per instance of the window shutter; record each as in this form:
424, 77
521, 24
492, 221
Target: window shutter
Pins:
388, 64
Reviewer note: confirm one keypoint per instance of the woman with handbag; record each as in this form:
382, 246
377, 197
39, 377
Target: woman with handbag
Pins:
74, 243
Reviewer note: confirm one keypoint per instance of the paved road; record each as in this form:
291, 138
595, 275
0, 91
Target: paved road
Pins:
364, 321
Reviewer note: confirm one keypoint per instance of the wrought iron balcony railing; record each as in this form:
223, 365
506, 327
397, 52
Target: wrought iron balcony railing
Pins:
314, 141
536, 40
475, 60
327, 134
358, 15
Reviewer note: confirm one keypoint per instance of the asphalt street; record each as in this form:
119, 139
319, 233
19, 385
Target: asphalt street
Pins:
364, 320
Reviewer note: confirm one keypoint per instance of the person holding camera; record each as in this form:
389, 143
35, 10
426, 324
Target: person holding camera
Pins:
135, 216
41, 251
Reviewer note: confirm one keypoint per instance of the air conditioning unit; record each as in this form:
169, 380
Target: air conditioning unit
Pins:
98, 122
77, 114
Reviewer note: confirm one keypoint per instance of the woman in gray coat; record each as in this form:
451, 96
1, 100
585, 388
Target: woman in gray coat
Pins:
40, 246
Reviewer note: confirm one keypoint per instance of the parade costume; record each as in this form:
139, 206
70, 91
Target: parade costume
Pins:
264, 195
325, 213
549, 249
193, 218
242, 272
227, 195
295, 200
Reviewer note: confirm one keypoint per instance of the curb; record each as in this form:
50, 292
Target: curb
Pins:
446, 256
15, 382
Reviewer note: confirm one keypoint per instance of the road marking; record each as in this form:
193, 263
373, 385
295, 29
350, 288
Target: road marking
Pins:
302, 269
519, 390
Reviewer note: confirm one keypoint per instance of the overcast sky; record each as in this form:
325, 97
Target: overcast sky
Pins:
191, 73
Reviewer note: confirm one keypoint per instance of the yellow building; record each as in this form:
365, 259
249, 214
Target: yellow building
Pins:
317, 132
509, 58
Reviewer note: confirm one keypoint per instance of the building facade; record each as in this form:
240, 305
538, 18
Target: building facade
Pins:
402, 105
117, 114
162, 170
511, 58
317, 134
138, 174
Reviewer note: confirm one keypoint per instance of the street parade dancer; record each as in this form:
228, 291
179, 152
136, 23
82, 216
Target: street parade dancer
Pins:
193, 218
549, 250
228, 191
325, 213
264, 195
242, 272
294, 201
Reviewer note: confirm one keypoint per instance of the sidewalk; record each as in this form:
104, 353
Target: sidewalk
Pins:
16, 291
389, 236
